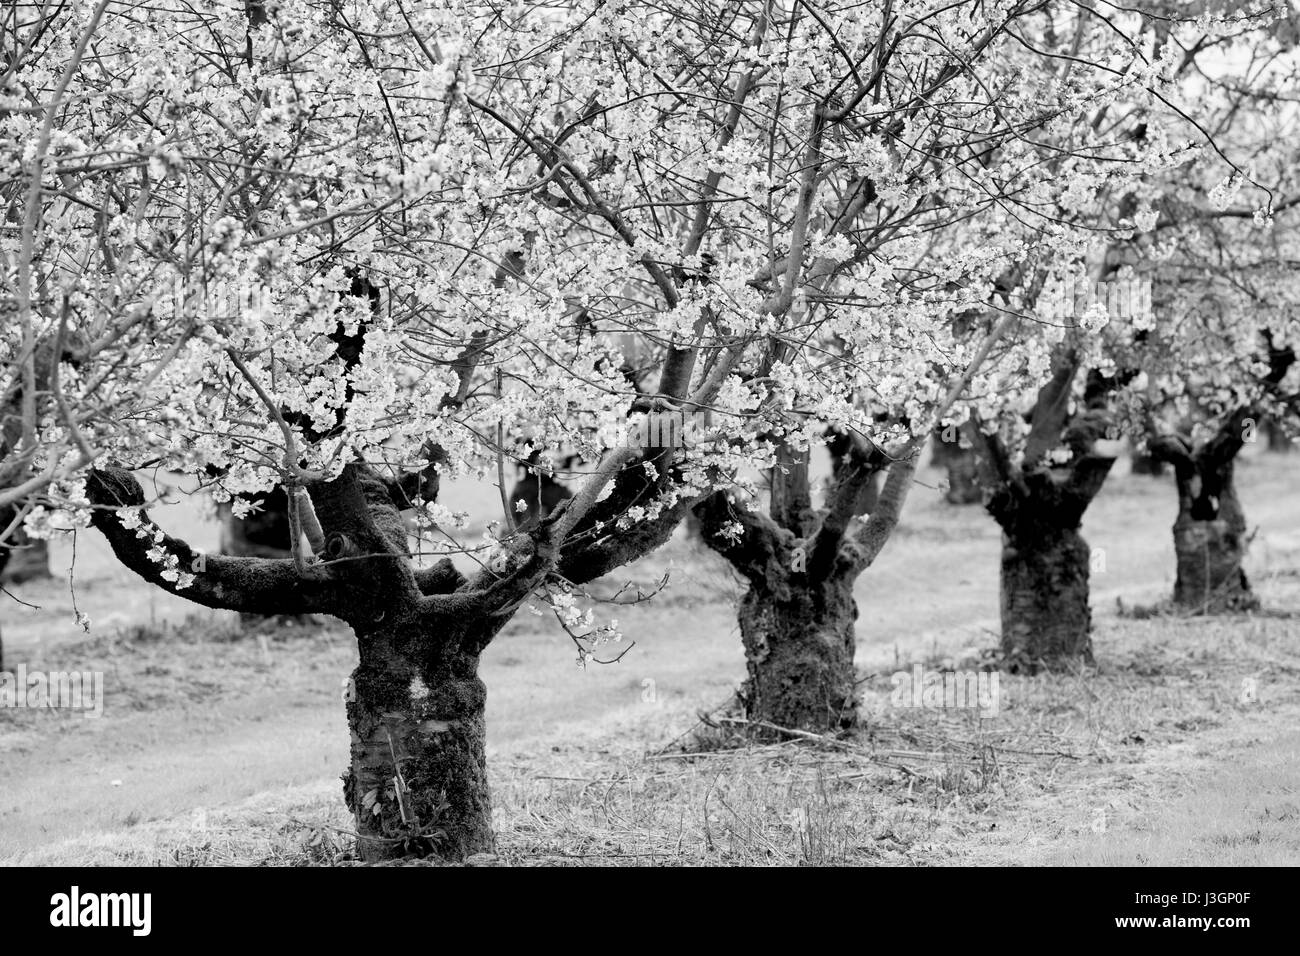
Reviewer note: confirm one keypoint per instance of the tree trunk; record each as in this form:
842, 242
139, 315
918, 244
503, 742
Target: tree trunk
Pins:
961, 466
263, 534
1147, 465
1210, 576
29, 559
1046, 621
963, 489
1210, 541
417, 784
1278, 439
799, 654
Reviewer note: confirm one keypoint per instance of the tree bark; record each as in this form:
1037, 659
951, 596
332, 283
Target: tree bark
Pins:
1039, 504
1210, 576
1210, 540
1046, 620
799, 649
1210, 531
417, 783
797, 618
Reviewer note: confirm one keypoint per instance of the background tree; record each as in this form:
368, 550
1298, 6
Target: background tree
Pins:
1210, 533
996, 154
1038, 497
1220, 354
952, 451
1045, 467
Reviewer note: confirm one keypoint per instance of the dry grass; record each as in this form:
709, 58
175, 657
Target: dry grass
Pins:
911, 787
1157, 746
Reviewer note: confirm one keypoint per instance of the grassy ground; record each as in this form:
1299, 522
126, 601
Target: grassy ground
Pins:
220, 748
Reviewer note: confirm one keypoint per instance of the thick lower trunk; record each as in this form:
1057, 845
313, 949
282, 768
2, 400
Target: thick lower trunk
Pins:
1210, 575
799, 656
1210, 538
417, 785
1046, 621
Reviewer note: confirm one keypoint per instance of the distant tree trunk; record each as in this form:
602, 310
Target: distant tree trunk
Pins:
1210, 530
539, 491
1211, 579
1278, 439
797, 618
1145, 463
1039, 504
29, 559
843, 463
960, 464
262, 534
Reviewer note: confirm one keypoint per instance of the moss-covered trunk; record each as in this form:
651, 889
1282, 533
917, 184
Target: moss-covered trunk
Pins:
1046, 620
417, 783
1046, 564
799, 654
